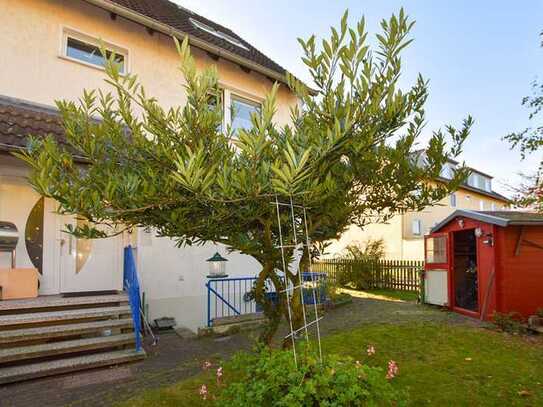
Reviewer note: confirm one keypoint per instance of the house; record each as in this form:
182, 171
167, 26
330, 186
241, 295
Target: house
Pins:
50, 52
482, 262
403, 234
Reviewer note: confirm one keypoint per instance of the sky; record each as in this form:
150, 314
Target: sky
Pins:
479, 56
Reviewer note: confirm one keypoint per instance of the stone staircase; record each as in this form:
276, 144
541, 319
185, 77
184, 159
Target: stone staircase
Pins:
53, 334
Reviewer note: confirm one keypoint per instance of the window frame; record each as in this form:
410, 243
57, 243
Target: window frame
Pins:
436, 260
228, 94
246, 101
452, 200
91, 40
217, 33
419, 227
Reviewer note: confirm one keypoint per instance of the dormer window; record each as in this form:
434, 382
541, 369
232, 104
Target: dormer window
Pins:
217, 33
86, 50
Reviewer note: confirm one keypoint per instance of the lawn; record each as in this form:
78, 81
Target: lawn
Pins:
440, 364
394, 294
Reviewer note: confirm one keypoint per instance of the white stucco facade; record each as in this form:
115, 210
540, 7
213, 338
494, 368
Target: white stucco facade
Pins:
35, 70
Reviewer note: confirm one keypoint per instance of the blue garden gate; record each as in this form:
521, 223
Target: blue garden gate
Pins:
228, 297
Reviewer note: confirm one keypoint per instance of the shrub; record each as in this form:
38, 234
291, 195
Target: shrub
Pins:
509, 322
361, 264
270, 378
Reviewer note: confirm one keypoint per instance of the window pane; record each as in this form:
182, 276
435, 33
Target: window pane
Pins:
453, 200
436, 249
241, 111
90, 54
416, 227
214, 102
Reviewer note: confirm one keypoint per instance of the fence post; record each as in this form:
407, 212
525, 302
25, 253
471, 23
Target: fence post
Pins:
208, 305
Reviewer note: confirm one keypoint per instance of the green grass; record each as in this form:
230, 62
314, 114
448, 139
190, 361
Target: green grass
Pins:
439, 365
395, 294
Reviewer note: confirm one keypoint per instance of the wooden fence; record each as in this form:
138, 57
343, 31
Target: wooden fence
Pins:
403, 275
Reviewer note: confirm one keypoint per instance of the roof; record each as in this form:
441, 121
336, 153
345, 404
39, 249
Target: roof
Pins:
19, 119
464, 185
491, 194
172, 19
499, 218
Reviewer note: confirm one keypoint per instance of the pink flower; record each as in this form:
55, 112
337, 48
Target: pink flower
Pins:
203, 392
206, 365
371, 350
392, 370
219, 375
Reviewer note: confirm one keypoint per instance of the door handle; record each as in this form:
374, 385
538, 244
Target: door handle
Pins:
70, 244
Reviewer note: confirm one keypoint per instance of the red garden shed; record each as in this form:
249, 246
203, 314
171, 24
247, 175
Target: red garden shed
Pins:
478, 263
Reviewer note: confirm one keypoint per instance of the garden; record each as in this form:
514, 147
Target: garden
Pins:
354, 137
400, 353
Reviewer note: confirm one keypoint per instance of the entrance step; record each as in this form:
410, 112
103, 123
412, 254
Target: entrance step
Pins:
60, 316
233, 324
36, 370
57, 348
238, 319
53, 334
57, 301
58, 331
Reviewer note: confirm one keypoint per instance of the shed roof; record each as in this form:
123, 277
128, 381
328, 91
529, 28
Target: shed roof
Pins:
499, 218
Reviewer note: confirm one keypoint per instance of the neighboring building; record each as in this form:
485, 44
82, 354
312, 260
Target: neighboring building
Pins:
49, 52
404, 233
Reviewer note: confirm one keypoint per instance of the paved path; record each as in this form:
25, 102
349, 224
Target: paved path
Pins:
175, 359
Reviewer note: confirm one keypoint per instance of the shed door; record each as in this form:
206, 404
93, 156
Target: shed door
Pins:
436, 277
435, 287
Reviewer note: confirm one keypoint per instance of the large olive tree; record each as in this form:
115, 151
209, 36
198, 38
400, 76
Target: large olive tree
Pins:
348, 155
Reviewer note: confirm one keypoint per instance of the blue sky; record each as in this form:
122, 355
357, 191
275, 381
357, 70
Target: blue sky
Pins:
480, 58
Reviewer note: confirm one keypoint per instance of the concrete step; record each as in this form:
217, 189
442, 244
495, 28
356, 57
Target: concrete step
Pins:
60, 316
237, 319
58, 301
61, 347
236, 323
58, 331
35, 370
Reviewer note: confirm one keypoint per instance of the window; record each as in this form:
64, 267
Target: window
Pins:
481, 205
86, 50
215, 102
453, 200
436, 249
488, 184
416, 227
217, 33
240, 112
447, 171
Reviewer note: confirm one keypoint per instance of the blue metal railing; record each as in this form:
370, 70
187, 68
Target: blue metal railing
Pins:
234, 296
229, 297
132, 286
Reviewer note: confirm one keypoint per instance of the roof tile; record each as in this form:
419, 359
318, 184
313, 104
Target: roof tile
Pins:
178, 17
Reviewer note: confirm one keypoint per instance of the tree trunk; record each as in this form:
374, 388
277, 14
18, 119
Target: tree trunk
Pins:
272, 311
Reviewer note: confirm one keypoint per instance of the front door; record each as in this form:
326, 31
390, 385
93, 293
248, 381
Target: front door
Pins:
88, 265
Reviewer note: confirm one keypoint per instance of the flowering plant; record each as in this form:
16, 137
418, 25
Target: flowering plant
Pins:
271, 378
